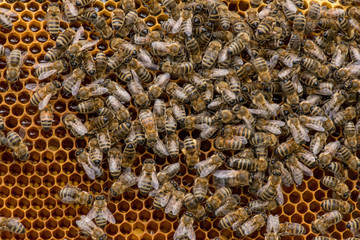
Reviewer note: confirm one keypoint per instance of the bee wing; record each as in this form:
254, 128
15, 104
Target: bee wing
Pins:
44, 102
75, 88
325, 92
202, 163
223, 56
47, 74
91, 215
242, 139
316, 145
31, 86
272, 107
260, 112
73, 10
125, 95
89, 171
273, 224
151, 66
88, 45
290, 227
160, 147
188, 29
318, 118
295, 132
83, 225
8, 12
273, 61
219, 72
99, 91
154, 180
154, 192
159, 46
177, 26
173, 206
296, 173
316, 126
263, 188
279, 195
80, 128
305, 169
277, 122
144, 56
67, 200
290, 5
208, 170
273, 129
39, 65
79, 33
109, 216
220, 176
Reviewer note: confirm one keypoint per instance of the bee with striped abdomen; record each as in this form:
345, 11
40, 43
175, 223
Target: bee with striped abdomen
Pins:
340, 188
100, 212
208, 166
236, 217
89, 229
16, 143
117, 91
52, 18
251, 225
163, 194
232, 178
45, 70
136, 90
114, 160
70, 194
95, 152
175, 203
191, 151
272, 189
168, 172
11, 225
14, 61
43, 95
74, 125
172, 144
148, 178
321, 224
91, 170
72, 83
90, 90
126, 180
46, 117
342, 206
200, 188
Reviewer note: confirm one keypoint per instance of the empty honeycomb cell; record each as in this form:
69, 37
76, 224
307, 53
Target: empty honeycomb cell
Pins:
125, 228
67, 144
233, 6
45, 234
11, 122
5, 235
16, 192
243, 5
14, 38
4, 192
31, 110
144, 215
152, 227
289, 209
226, 233
295, 197
319, 195
40, 145
346, 234
297, 218
72, 232
18, 213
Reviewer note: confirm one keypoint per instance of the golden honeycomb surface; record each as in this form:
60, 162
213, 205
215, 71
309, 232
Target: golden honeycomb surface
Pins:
29, 190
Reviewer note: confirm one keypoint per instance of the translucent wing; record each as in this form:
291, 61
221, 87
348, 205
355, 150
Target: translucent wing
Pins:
202, 163
159, 45
10, 13
277, 122
88, 45
177, 26
316, 146
208, 170
280, 195
123, 93
223, 56
144, 56
318, 118
44, 102
154, 192
109, 216
173, 206
151, 66
91, 215
39, 65
161, 148
272, 107
47, 74
220, 176
304, 132
89, 171
297, 174
290, 6
263, 188
295, 133
272, 129
99, 91
79, 128
75, 88
165, 200
325, 92
315, 126
73, 10
273, 61
154, 180
241, 139
273, 224
305, 169
219, 72
260, 112
67, 200
188, 29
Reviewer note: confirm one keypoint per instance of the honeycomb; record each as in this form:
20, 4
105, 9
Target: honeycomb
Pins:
29, 190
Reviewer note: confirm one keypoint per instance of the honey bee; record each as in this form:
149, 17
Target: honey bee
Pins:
257, 206
230, 143
5, 18
272, 189
200, 188
72, 83
339, 170
329, 152
217, 199
354, 226
117, 19
156, 89
92, 171
126, 180
211, 54
101, 27
168, 172
15, 60
191, 151
315, 51
228, 206
310, 101
251, 225
104, 139
148, 123
260, 101
262, 69
100, 212
297, 169
52, 19
318, 142
286, 148
46, 117
342, 206
299, 133
70, 194
194, 97
333, 105
172, 144
74, 125
286, 177
336, 185
198, 122
182, 68
322, 223
151, 37
231, 178
272, 126
208, 166
227, 94
351, 160
43, 95
89, 229
137, 91
114, 160
13, 225
45, 70
117, 91
185, 227
175, 203
170, 124
313, 122
95, 152
234, 218
163, 194
286, 229
348, 114
261, 139
148, 179
96, 123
